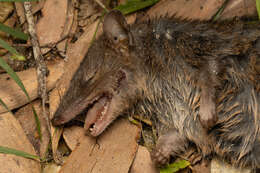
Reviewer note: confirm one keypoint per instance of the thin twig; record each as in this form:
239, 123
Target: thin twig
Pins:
54, 44
42, 70
101, 5
47, 45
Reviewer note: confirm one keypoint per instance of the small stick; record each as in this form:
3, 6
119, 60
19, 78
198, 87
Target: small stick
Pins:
47, 45
101, 5
42, 70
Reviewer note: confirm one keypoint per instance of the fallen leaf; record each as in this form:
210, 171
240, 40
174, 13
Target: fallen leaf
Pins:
27, 121
202, 9
5, 9
13, 136
20, 11
112, 152
186, 9
50, 27
72, 136
14, 97
143, 163
239, 8
67, 26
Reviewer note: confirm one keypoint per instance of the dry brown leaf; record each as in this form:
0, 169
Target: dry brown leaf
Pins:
10, 22
202, 9
87, 8
89, 11
113, 152
143, 162
56, 134
186, 9
74, 26
37, 6
50, 27
72, 136
14, 97
5, 9
27, 121
20, 11
67, 26
239, 8
13, 136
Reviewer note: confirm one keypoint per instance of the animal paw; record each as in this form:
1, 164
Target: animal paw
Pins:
160, 156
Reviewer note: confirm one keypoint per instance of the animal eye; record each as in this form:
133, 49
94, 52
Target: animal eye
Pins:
115, 38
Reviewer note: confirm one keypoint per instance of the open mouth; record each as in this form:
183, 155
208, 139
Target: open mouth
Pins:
98, 106
98, 116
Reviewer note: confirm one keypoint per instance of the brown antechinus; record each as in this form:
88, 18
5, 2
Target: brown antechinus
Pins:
184, 76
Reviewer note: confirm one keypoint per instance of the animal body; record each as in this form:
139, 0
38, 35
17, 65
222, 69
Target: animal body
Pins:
155, 69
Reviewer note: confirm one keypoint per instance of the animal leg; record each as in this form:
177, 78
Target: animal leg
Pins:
208, 82
207, 112
169, 144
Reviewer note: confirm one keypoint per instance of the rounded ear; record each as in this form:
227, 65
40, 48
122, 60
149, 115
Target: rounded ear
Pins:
116, 28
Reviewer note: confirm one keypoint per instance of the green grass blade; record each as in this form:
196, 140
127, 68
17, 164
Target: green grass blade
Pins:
14, 76
97, 27
133, 5
220, 11
4, 105
13, 32
38, 124
258, 8
6, 46
175, 167
6, 150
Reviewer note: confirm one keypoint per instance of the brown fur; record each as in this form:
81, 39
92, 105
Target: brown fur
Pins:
161, 69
